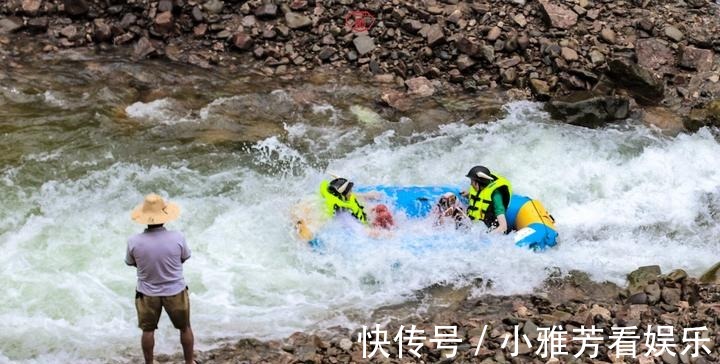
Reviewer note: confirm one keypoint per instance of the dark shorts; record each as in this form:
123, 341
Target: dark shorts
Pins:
149, 309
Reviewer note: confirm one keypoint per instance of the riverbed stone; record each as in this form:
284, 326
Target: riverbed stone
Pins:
588, 109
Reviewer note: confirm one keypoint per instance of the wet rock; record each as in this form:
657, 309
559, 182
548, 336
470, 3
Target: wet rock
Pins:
297, 21
639, 298
540, 89
588, 109
509, 76
397, 100
696, 119
641, 277
143, 48
673, 33
364, 44
697, 59
655, 55
712, 275
420, 86
76, 7
9, 25
31, 7
558, 16
242, 41
677, 275
647, 89
164, 23
266, 11
663, 119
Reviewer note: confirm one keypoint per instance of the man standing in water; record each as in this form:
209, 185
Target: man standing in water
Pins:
159, 255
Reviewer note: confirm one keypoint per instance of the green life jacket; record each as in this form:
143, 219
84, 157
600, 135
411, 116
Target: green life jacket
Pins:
334, 203
480, 203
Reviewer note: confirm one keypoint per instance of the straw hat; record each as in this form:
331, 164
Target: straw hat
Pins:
154, 210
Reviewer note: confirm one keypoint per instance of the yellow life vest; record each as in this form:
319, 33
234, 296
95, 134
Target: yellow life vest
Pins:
334, 204
479, 202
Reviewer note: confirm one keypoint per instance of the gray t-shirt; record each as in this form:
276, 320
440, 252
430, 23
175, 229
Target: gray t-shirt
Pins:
158, 255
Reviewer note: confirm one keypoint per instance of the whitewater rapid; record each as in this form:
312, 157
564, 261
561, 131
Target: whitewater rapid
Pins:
623, 196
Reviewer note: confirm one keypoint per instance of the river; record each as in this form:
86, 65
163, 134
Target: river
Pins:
82, 139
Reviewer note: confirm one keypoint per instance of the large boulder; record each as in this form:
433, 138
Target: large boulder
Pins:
655, 54
588, 109
420, 86
641, 83
641, 277
709, 115
711, 276
664, 119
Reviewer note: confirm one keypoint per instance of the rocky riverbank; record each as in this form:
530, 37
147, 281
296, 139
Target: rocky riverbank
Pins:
597, 60
651, 298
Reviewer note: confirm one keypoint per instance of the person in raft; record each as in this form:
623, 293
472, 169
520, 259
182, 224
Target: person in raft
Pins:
339, 198
159, 254
488, 199
449, 209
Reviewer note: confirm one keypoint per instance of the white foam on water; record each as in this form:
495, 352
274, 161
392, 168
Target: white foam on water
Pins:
327, 108
623, 197
54, 98
164, 111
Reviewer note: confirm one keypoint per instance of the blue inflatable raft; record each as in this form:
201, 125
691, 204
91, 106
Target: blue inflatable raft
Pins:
534, 226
